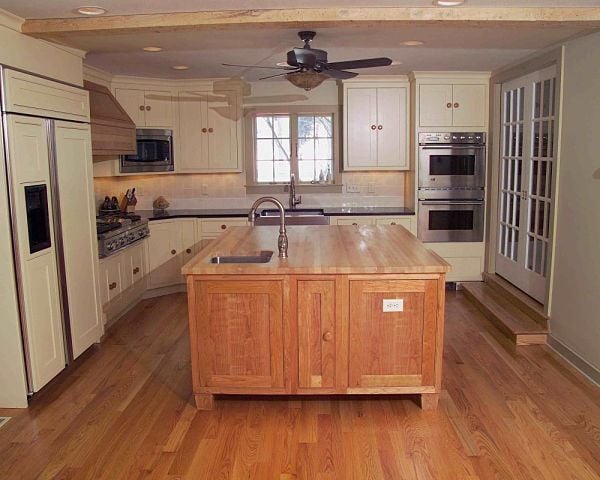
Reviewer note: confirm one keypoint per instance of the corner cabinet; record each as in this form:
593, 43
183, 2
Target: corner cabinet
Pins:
210, 133
376, 124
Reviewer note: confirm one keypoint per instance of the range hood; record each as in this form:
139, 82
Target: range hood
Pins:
113, 132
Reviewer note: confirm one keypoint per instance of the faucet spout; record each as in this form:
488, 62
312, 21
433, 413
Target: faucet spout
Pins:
282, 241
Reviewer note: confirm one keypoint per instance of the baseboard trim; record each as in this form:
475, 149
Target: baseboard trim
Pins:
587, 370
159, 292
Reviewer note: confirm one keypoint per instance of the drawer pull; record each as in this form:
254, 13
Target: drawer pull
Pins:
379, 127
393, 223
112, 286
141, 108
173, 252
448, 105
148, 108
456, 105
211, 130
354, 223
204, 130
188, 250
136, 270
373, 127
223, 227
327, 336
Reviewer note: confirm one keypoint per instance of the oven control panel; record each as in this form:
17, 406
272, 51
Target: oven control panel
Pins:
473, 138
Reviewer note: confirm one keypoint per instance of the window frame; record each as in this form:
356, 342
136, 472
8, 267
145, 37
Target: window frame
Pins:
294, 111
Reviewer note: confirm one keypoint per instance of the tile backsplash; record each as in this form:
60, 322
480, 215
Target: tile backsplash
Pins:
228, 190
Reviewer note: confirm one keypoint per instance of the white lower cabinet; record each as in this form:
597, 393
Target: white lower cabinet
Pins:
122, 280
466, 258
406, 221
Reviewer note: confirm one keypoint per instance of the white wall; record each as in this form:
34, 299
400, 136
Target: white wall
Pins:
36, 56
575, 315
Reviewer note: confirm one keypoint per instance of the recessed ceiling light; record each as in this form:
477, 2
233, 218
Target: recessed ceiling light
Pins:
152, 49
448, 3
89, 10
413, 43
180, 67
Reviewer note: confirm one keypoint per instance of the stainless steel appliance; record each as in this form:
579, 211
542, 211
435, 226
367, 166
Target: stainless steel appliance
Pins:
154, 152
449, 160
451, 187
116, 232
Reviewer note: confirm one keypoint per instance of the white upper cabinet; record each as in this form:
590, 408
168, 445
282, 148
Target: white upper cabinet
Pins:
376, 124
147, 108
210, 136
452, 102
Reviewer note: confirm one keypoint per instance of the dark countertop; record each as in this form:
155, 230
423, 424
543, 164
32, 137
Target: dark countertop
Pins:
238, 212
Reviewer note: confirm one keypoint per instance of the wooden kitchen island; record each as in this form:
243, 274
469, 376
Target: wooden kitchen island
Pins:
314, 323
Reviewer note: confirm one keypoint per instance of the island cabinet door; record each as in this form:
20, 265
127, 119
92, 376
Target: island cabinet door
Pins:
392, 333
319, 314
239, 334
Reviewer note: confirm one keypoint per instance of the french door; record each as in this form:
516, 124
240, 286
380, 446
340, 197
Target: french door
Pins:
525, 195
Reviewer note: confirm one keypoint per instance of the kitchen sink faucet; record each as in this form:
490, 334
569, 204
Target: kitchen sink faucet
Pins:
293, 200
282, 241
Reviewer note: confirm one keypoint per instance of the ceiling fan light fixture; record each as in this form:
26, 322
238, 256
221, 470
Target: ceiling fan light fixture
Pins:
448, 3
152, 49
180, 67
90, 10
306, 80
413, 43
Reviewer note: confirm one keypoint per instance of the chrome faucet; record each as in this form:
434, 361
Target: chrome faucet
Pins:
293, 200
282, 241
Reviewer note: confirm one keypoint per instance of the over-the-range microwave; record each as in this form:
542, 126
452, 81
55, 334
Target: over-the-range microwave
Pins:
154, 152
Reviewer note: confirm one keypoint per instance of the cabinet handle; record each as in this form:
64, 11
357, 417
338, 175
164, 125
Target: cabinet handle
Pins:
448, 105
141, 108
112, 286
173, 252
373, 127
327, 336
148, 108
379, 127
204, 130
456, 105
354, 223
136, 270
188, 250
211, 130
223, 227
393, 223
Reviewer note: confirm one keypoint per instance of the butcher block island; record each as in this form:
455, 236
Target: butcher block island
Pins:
352, 310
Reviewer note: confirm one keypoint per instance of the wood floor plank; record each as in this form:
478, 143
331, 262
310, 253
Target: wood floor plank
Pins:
125, 410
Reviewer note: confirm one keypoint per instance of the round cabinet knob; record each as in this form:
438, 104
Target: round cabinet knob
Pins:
204, 130
188, 250
148, 108
373, 127
173, 252
328, 336
456, 105
448, 105
136, 270
354, 223
379, 127
141, 108
211, 130
393, 223
112, 286
223, 227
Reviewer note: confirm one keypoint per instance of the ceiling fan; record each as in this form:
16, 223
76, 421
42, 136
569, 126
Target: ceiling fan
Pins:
308, 67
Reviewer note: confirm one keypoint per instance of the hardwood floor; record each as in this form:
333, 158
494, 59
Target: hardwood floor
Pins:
125, 410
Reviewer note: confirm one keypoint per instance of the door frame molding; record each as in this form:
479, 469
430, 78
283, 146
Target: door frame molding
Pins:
552, 57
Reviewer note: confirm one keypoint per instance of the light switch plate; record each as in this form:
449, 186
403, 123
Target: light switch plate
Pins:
393, 305
353, 188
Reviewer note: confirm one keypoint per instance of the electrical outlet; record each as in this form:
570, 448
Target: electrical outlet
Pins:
393, 305
352, 188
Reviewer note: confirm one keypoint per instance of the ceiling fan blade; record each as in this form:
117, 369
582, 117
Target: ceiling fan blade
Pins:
340, 74
279, 74
256, 66
364, 63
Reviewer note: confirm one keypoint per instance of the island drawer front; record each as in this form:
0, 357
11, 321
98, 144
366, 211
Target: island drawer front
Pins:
393, 348
238, 333
218, 226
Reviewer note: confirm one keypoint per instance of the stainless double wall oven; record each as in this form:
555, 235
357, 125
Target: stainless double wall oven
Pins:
451, 187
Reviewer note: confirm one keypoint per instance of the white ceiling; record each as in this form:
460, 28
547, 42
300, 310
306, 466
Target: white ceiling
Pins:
64, 8
446, 47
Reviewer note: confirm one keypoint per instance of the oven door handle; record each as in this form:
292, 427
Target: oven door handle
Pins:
451, 202
452, 147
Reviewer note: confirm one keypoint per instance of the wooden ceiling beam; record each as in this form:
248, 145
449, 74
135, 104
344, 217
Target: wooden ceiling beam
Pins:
312, 17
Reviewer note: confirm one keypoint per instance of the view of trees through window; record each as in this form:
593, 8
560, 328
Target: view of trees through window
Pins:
274, 156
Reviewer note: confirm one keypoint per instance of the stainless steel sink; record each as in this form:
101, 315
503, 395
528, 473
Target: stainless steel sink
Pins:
262, 257
293, 217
